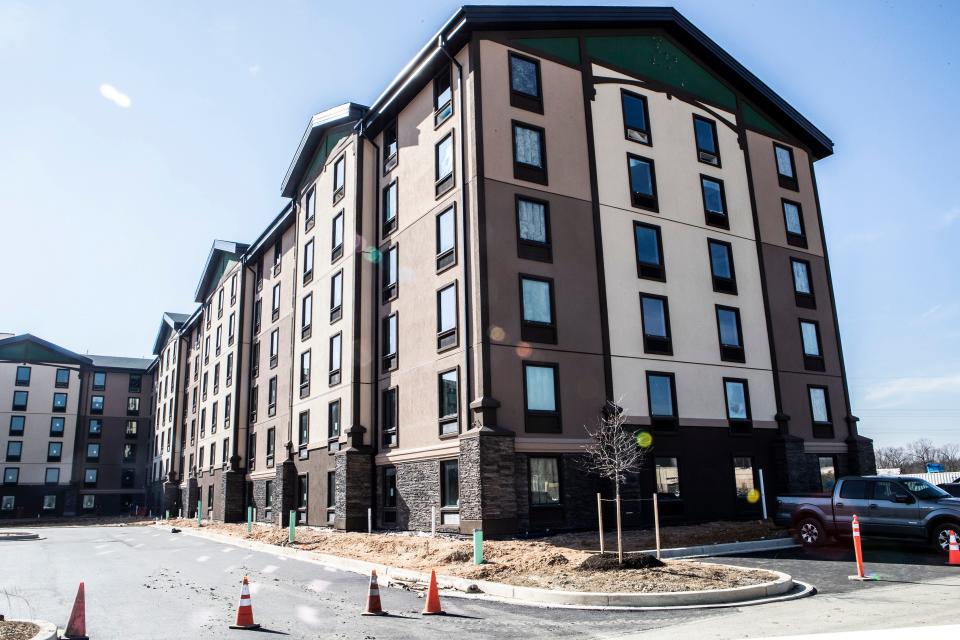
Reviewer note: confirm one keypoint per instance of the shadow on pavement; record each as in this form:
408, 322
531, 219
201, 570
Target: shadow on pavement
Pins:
875, 552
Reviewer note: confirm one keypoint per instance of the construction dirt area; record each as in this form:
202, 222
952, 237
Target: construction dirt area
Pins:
555, 562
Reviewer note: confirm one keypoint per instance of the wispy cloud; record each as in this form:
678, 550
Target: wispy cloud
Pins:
254, 69
948, 218
902, 390
931, 311
115, 96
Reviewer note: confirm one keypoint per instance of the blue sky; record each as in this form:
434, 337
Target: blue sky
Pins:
111, 195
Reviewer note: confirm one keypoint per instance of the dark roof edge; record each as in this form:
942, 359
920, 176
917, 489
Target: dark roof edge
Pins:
280, 222
28, 337
219, 246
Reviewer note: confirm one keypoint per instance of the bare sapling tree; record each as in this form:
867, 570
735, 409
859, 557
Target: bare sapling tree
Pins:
614, 452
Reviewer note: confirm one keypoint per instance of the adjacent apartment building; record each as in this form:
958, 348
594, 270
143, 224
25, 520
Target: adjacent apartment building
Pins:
547, 209
74, 431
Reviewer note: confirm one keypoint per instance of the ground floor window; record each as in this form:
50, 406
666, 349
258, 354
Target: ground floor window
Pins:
668, 478
7, 503
49, 503
268, 495
450, 491
210, 498
331, 495
544, 481
743, 478
302, 492
89, 502
828, 472
390, 495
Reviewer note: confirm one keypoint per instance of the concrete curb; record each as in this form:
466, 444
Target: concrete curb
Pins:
782, 585
48, 630
13, 536
726, 548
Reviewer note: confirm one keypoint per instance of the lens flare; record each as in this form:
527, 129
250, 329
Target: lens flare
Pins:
524, 350
644, 439
372, 254
497, 333
753, 496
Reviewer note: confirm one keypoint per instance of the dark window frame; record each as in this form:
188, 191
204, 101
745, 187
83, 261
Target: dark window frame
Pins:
531, 249
721, 284
444, 507
391, 160
390, 360
663, 421
820, 429
14, 457
18, 406
304, 378
23, 426
446, 258
711, 158
333, 434
545, 506
793, 239
448, 419
812, 362
738, 424
388, 290
646, 270
712, 218
730, 353
446, 338
339, 191
390, 401
443, 184
94, 411
804, 300
389, 226
57, 383
303, 442
334, 374
658, 345
336, 248
539, 420
645, 136
273, 389
18, 382
531, 331
336, 310
442, 112
59, 409
519, 99
310, 208
641, 200
786, 182
522, 170
309, 253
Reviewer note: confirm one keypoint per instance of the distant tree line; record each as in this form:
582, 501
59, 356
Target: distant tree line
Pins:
913, 457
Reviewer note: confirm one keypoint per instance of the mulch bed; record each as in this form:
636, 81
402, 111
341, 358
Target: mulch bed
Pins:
12, 630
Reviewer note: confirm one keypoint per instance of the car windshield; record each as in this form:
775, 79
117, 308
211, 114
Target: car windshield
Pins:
923, 489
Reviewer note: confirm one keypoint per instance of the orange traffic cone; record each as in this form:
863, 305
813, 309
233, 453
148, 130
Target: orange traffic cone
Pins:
245, 609
954, 556
77, 625
373, 597
432, 606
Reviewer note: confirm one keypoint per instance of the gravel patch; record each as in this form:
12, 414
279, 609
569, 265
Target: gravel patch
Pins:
11, 630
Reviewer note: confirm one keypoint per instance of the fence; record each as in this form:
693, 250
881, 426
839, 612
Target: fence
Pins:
933, 478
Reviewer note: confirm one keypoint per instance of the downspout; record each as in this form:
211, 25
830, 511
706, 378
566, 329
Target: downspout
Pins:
237, 368
293, 320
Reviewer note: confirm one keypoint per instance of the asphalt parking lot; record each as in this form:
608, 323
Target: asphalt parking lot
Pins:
145, 583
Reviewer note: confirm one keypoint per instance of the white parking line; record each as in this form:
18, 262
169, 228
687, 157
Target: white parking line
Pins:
270, 568
203, 558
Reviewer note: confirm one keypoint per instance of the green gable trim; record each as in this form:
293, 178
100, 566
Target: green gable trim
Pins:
566, 49
756, 120
27, 351
657, 58
324, 148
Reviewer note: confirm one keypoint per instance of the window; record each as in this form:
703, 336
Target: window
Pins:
737, 396
449, 403
233, 294
14, 450
274, 348
303, 432
541, 394
390, 206
272, 396
203, 422
743, 477
231, 327
54, 449
59, 402
335, 358
661, 398
131, 429
95, 428
536, 301
89, 502
220, 303
213, 417
7, 503
50, 501
225, 451
99, 380
213, 454
17, 424
210, 492
52, 475
793, 223
306, 316
203, 385
227, 401
390, 492
331, 495
277, 255
449, 487
129, 452
544, 481
20, 400
812, 352
134, 383
820, 412
336, 235
127, 478
714, 202
525, 90
721, 266
446, 320
442, 97
257, 317
391, 417
828, 472
93, 451
446, 239
206, 350
200, 459
668, 478
62, 378
802, 284
336, 296
389, 341
339, 177
443, 163
90, 477
305, 373
649, 252
23, 377
229, 369
133, 406
529, 153
333, 419
731, 337
275, 304
391, 147
643, 182
705, 132
533, 230
308, 262
11, 475
786, 173
636, 126
310, 209
271, 445
390, 264
655, 317
96, 404
219, 337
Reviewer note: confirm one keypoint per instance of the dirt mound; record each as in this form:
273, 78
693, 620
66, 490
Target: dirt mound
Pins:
608, 562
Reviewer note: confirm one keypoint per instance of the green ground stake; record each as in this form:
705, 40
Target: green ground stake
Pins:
249, 519
198, 513
478, 546
293, 526
167, 514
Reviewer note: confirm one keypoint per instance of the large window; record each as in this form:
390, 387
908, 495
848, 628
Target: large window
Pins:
443, 165
541, 397
96, 404
820, 412
721, 266
802, 284
308, 262
129, 452
533, 229
812, 351
442, 96
271, 446
303, 433
538, 320
828, 472
391, 147
390, 265
661, 398
14, 450
731, 336
390, 207
649, 246
529, 153
336, 235
11, 475
449, 489
336, 296
714, 202
786, 170
95, 428
335, 358
17, 424
339, 178
99, 380
274, 347
305, 373
54, 451
391, 416
59, 402
668, 478
793, 223
655, 319
705, 132
544, 481
310, 209
275, 302
130, 431
90, 477
446, 320
446, 239
636, 124
272, 396
306, 316
62, 378
389, 340
333, 419
133, 406
643, 182
52, 476
525, 90
743, 477
134, 382
737, 395
331, 496
23, 377
20, 400
449, 402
